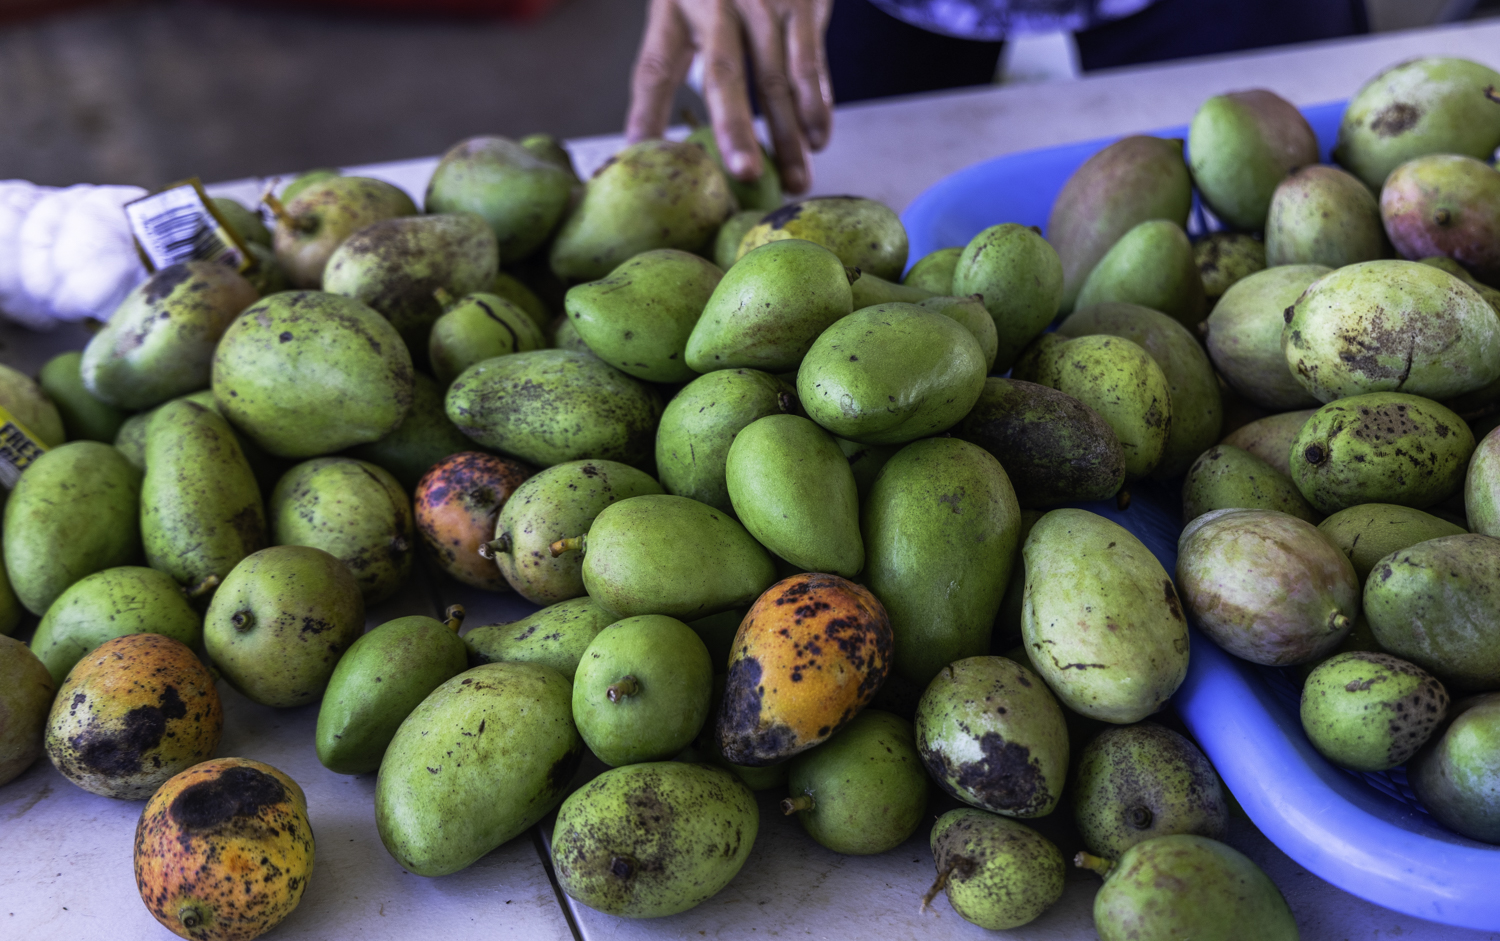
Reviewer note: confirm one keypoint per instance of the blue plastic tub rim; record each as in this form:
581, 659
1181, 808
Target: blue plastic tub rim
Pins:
1365, 833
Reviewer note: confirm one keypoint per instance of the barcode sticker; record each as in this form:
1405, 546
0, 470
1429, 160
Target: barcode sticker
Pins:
19, 449
179, 224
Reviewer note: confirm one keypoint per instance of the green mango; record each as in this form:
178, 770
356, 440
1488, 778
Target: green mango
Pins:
1119, 380
1095, 595
653, 839
200, 508
1322, 215
869, 290
670, 555
1197, 409
1384, 447
1226, 477
555, 636
864, 790
130, 440
654, 194
792, 488
515, 290
770, 307
435, 797
1151, 265
1392, 326
1039, 359
1242, 144
303, 180
969, 311
727, 242
1448, 205
159, 343
863, 233
520, 195
1244, 336
992, 735
933, 272
866, 461
565, 337
557, 503
641, 692
279, 623
1224, 259
1454, 777
1132, 180
356, 512
940, 505
1431, 105
717, 631
316, 218
551, 149
552, 406
1271, 438
75, 511
265, 273
396, 266
700, 423
1187, 886
1434, 604
379, 680
124, 600
998, 873
478, 327
245, 223
761, 194
424, 437
287, 357
1138, 782
83, 415
1369, 532
1018, 277
26, 695
1370, 711
23, 398
639, 318
891, 374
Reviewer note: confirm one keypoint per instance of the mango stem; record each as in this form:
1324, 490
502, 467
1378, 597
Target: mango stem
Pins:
569, 544
852, 274
203, 588
242, 620
500, 545
786, 402
794, 804
453, 618
937, 886
279, 210
444, 299
1093, 863
625, 686
1338, 621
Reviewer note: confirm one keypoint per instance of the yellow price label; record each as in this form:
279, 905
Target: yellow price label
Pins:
19, 448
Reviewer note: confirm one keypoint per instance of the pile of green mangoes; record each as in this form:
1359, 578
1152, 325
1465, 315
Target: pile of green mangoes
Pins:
789, 524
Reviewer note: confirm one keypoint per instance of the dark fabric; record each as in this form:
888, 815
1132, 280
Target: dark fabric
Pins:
1178, 29
871, 54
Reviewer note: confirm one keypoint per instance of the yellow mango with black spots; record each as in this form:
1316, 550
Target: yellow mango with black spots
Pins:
224, 850
133, 712
811, 653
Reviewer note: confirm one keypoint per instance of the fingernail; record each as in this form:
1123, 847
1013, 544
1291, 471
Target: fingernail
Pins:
794, 179
739, 163
817, 138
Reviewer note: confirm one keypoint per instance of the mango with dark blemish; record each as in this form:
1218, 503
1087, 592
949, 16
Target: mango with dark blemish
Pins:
477, 327
75, 511
383, 676
638, 317
864, 790
1370, 711
653, 839
1225, 259
992, 735
1117, 378
941, 529
201, 511
26, 694
1391, 326
317, 217
424, 437
555, 636
812, 652
1384, 447
127, 599
456, 506
159, 343
1369, 532
279, 623
223, 851
482, 759
756, 778
356, 512
996, 872
131, 714
701, 422
865, 234
1100, 617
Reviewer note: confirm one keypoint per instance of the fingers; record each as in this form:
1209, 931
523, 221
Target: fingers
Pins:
808, 66
769, 54
660, 66
725, 92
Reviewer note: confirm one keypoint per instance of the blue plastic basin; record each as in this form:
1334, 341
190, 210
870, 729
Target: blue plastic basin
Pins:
1365, 833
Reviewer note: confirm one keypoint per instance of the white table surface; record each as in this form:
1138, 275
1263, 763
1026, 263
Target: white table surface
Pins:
65, 854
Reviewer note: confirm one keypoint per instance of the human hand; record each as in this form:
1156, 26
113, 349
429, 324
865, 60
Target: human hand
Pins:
787, 55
